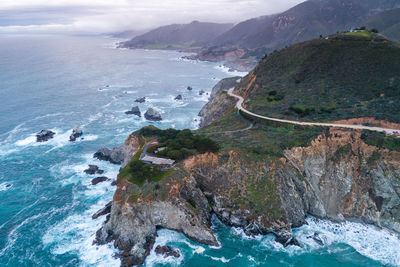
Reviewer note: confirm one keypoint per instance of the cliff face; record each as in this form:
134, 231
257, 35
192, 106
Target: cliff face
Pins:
337, 177
218, 103
351, 179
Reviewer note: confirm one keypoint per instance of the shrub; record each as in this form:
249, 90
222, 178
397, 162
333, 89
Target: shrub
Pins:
302, 110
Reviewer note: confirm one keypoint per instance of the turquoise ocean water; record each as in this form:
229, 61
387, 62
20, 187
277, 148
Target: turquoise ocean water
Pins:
46, 201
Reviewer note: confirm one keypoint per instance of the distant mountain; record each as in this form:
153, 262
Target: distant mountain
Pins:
126, 34
303, 22
176, 36
308, 20
388, 23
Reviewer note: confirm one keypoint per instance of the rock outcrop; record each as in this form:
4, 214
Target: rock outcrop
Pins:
141, 100
166, 251
100, 179
76, 133
93, 169
178, 97
119, 155
219, 102
134, 111
44, 136
189, 88
103, 211
152, 115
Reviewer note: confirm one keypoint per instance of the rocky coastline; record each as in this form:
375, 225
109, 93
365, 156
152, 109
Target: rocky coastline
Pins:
338, 177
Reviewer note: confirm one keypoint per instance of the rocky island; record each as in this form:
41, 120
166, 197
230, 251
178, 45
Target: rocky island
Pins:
268, 177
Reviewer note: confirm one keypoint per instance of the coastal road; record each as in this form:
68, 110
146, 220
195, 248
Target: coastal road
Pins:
239, 106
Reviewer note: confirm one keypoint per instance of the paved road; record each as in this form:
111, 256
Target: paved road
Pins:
239, 106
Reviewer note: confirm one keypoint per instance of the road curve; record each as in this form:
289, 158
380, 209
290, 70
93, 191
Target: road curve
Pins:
239, 106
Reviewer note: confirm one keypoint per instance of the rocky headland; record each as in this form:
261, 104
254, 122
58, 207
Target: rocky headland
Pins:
268, 178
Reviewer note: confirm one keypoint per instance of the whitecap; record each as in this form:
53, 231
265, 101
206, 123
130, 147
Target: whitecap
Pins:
226, 70
27, 141
5, 186
164, 237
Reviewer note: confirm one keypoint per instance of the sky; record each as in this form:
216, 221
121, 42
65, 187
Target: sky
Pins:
106, 16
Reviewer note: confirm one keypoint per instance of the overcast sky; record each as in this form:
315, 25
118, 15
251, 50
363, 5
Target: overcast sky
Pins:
102, 16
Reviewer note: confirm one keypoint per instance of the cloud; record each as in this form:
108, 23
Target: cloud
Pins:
99, 16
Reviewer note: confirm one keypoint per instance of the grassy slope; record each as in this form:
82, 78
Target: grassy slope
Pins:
343, 77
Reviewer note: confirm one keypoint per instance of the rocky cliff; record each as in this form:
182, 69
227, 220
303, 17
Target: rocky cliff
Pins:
218, 103
337, 176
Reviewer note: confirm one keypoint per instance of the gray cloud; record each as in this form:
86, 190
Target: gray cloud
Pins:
99, 16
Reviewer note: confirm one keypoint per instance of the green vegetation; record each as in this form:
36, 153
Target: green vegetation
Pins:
178, 144
346, 76
363, 33
381, 140
374, 157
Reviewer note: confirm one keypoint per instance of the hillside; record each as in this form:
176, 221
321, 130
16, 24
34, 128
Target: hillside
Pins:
349, 75
305, 21
388, 23
179, 36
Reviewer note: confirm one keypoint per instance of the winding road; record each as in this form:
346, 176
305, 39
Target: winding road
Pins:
239, 106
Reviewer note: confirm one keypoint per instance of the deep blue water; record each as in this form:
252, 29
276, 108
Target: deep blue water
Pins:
46, 201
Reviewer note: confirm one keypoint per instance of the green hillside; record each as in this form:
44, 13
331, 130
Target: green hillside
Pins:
346, 76
387, 22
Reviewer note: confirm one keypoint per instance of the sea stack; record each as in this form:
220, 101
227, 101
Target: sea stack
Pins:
76, 133
134, 111
44, 136
152, 115
141, 100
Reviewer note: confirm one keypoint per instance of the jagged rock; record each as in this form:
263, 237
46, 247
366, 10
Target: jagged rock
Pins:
166, 251
218, 103
141, 100
114, 156
178, 97
317, 239
286, 238
134, 111
93, 169
201, 92
76, 133
8, 185
119, 155
114, 183
189, 88
103, 211
44, 135
100, 179
152, 115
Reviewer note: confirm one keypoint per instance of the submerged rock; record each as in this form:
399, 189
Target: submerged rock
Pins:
76, 133
44, 136
178, 97
202, 92
167, 251
134, 111
152, 115
103, 211
93, 169
141, 100
189, 88
100, 179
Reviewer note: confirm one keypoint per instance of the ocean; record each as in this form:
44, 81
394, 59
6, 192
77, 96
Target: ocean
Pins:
46, 200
